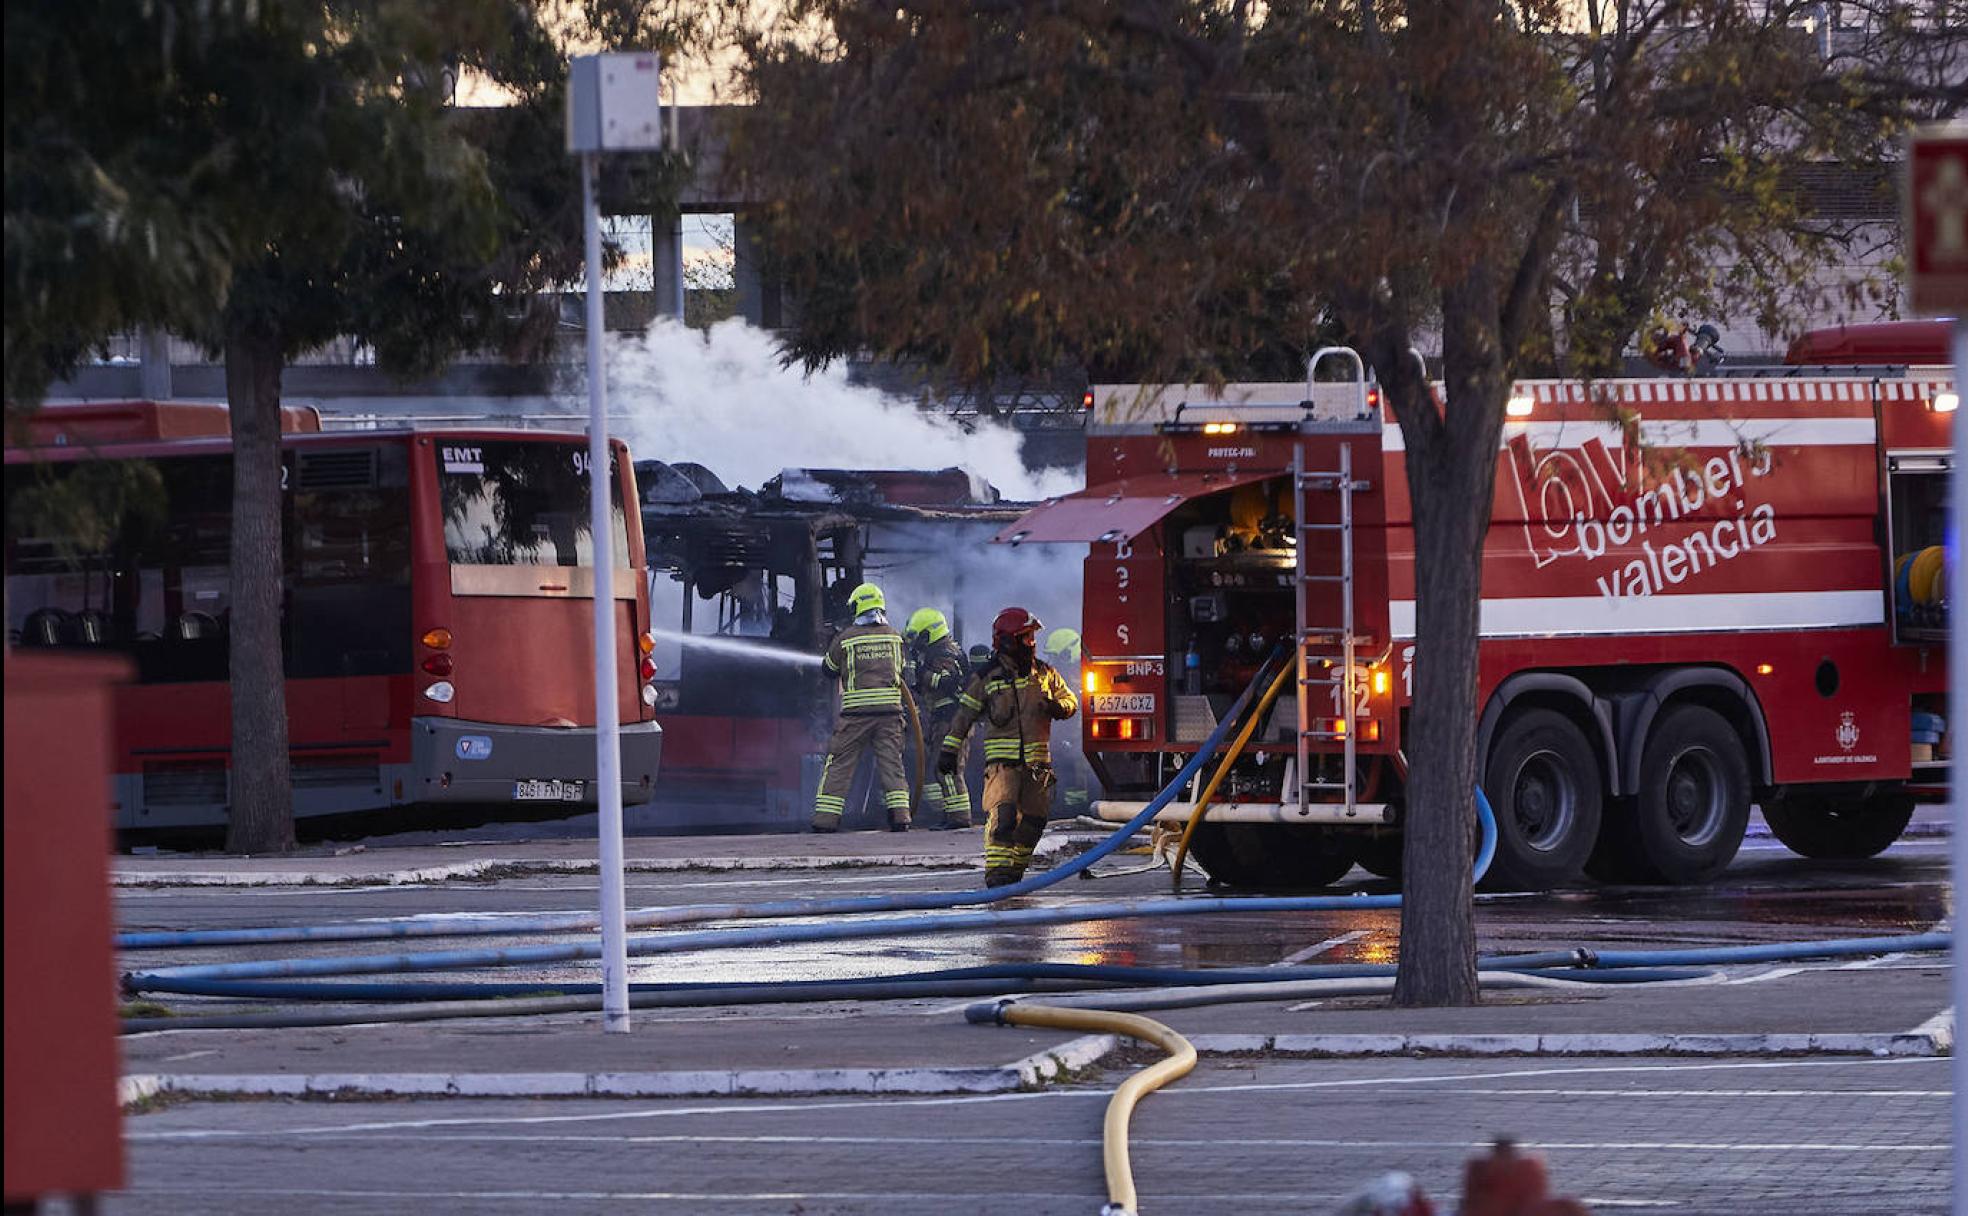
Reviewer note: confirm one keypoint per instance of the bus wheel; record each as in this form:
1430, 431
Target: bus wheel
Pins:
1838, 829
1543, 784
1279, 856
1693, 805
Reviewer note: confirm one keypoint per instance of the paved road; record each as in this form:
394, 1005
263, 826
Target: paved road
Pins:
1790, 1138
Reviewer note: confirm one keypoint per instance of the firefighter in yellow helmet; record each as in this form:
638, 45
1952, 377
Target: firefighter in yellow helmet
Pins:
940, 673
867, 656
1073, 795
1019, 696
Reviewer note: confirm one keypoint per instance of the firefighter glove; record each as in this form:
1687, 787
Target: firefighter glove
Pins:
946, 763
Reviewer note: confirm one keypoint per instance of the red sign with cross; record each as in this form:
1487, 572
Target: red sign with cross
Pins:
1937, 220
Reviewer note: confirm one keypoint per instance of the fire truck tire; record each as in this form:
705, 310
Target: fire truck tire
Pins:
1380, 855
1543, 782
1693, 804
1838, 829
1274, 856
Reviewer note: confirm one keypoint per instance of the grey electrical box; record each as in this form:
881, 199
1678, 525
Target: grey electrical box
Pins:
614, 103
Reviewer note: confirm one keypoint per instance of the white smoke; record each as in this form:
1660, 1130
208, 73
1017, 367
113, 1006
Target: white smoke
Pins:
971, 580
723, 400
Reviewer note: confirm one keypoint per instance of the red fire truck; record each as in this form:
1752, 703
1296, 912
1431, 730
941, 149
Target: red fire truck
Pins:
1698, 594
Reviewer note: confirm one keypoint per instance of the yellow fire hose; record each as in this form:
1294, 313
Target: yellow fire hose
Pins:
1236, 749
923, 775
1120, 1109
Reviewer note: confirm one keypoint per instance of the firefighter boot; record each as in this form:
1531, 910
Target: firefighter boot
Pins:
956, 803
1001, 876
826, 821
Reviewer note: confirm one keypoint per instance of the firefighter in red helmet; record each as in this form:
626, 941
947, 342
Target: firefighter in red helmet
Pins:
1019, 696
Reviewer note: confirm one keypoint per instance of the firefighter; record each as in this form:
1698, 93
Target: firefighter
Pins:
868, 658
1074, 793
1019, 696
939, 673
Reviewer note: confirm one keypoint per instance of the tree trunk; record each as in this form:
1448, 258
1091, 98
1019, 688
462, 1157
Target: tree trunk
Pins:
261, 816
1451, 482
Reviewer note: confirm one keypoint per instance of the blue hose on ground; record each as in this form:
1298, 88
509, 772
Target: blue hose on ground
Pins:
656, 918
772, 935
1000, 974
1712, 956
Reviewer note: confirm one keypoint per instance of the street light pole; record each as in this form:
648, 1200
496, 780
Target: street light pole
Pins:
608, 746
614, 104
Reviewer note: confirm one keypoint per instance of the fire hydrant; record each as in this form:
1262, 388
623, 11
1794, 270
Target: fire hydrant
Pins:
1506, 1182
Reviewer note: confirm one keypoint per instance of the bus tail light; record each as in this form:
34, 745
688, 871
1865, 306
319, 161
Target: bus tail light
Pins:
437, 639
649, 695
441, 692
438, 664
647, 667
646, 644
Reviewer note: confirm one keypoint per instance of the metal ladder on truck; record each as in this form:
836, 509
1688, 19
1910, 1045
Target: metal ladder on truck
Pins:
1326, 648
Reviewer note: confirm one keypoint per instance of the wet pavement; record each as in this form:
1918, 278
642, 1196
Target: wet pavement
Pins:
1768, 895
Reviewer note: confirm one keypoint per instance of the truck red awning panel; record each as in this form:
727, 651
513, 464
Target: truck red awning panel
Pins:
1119, 510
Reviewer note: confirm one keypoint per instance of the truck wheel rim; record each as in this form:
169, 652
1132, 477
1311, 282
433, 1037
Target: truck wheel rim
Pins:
1544, 801
1697, 798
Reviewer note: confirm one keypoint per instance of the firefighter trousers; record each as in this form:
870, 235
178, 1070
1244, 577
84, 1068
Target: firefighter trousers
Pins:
1017, 799
941, 792
854, 735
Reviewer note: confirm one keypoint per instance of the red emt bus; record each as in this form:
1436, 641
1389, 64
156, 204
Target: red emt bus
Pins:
438, 611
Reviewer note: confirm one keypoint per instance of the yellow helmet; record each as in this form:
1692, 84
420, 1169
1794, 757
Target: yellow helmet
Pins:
865, 598
928, 624
1064, 642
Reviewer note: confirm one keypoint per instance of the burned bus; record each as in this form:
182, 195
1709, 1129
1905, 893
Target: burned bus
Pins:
748, 586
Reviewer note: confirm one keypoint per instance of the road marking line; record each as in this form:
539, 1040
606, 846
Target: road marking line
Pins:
1329, 944
1184, 1142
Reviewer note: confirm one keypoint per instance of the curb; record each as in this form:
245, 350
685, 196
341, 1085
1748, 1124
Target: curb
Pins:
1029, 1073
519, 867
1921, 1041
1933, 1037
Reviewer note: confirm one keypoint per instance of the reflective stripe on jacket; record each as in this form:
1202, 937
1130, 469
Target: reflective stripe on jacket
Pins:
1018, 712
868, 659
941, 672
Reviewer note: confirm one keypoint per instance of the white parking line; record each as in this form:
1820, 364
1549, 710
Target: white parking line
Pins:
1315, 951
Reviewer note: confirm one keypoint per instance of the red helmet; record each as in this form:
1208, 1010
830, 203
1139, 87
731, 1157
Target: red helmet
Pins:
1012, 623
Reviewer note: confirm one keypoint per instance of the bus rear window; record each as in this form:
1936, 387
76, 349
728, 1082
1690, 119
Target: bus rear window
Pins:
521, 503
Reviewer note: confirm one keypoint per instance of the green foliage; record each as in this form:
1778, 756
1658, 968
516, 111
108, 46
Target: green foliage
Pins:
84, 505
1001, 185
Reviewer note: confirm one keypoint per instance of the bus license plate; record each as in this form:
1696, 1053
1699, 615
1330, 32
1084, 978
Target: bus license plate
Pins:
549, 791
1124, 703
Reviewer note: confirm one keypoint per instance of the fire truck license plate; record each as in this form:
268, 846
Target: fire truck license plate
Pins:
1124, 703
548, 791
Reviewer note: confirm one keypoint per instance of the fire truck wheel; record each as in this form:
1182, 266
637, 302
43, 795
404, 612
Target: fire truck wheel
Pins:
1838, 829
1543, 783
1380, 855
1693, 805
1275, 856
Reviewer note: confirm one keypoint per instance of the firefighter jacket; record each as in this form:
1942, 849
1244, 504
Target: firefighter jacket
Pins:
941, 672
1018, 712
868, 659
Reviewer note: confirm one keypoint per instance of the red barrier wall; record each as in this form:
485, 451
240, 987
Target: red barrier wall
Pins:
63, 1123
